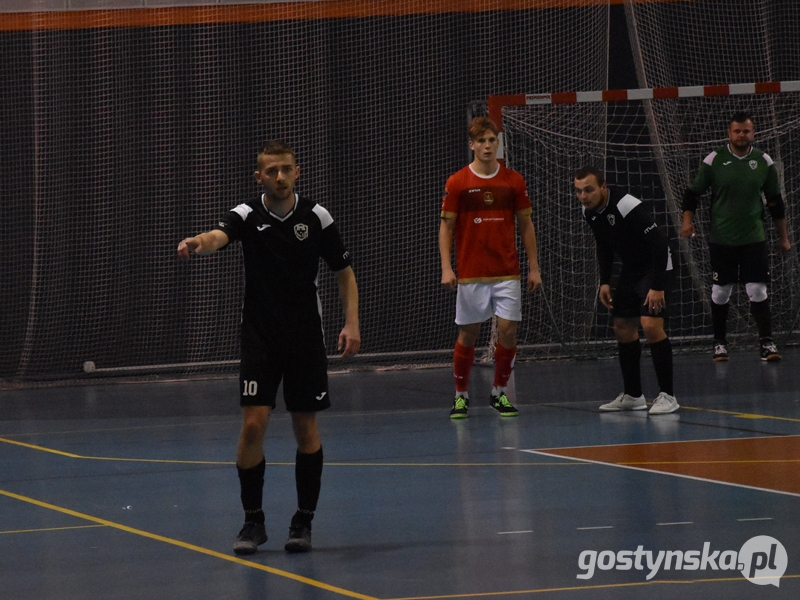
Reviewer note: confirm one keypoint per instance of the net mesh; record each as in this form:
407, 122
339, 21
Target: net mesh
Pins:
707, 42
548, 143
126, 131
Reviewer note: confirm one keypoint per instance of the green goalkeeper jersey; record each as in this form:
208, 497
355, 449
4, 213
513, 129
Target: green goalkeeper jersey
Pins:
737, 183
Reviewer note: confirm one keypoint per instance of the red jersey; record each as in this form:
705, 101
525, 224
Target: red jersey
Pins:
484, 209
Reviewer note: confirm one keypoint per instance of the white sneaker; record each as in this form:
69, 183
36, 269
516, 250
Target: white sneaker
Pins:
625, 402
664, 404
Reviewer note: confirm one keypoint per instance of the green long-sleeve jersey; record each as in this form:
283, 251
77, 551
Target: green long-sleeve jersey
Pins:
737, 184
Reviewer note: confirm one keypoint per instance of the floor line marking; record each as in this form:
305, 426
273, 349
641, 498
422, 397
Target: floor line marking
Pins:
145, 460
597, 527
128, 428
579, 588
755, 519
286, 464
676, 523
187, 546
710, 462
755, 437
513, 532
741, 415
51, 529
654, 471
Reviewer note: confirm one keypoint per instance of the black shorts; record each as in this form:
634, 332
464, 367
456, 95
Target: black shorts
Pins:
630, 293
739, 264
305, 380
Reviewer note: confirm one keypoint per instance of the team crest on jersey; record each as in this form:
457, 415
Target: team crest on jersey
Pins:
301, 231
753, 164
488, 198
611, 220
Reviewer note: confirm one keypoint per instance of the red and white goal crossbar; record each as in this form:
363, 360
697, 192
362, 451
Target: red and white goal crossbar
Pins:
496, 103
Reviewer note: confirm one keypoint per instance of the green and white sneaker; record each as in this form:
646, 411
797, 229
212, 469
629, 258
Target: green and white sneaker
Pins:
460, 408
503, 406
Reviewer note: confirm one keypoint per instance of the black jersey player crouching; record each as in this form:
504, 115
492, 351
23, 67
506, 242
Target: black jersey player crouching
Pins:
283, 236
622, 226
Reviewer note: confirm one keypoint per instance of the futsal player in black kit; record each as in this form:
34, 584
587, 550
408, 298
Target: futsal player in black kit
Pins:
283, 236
622, 226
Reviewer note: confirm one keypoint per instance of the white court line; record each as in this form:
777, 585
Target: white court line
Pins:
756, 519
654, 472
757, 437
676, 523
513, 532
598, 527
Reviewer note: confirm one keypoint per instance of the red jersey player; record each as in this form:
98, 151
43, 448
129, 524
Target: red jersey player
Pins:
481, 203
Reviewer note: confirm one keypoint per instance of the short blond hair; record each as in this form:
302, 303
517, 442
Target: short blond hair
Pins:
480, 124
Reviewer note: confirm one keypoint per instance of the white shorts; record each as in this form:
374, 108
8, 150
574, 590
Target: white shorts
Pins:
477, 302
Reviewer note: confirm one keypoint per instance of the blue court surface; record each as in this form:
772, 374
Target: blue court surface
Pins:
129, 491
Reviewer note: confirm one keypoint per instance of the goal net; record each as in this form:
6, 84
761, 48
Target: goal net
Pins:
126, 130
649, 142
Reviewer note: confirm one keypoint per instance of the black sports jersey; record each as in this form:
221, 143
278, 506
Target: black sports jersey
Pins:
281, 263
626, 228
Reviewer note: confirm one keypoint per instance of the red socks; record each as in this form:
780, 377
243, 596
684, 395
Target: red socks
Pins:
503, 364
463, 357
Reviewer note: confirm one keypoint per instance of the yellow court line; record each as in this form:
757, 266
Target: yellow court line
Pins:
147, 460
200, 549
742, 415
279, 464
578, 588
51, 529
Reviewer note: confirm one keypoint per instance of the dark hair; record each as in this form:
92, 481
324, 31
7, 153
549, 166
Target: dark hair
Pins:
480, 124
276, 148
741, 117
584, 172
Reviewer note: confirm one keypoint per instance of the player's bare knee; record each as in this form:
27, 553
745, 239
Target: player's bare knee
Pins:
757, 292
507, 332
626, 330
468, 334
252, 432
653, 329
306, 433
254, 424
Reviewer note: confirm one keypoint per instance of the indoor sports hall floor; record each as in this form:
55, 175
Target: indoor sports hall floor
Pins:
129, 490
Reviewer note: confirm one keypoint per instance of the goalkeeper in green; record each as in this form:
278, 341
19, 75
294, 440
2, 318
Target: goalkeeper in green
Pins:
738, 174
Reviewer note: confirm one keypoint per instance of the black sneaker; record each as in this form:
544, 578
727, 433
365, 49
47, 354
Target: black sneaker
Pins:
299, 538
769, 352
460, 408
720, 351
250, 538
503, 406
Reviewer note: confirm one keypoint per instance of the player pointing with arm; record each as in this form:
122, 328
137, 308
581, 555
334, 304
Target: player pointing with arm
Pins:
738, 174
283, 237
622, 226
482, 203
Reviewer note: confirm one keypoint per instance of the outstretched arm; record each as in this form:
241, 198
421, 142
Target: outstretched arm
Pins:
205, 243
350, 336
528, 234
